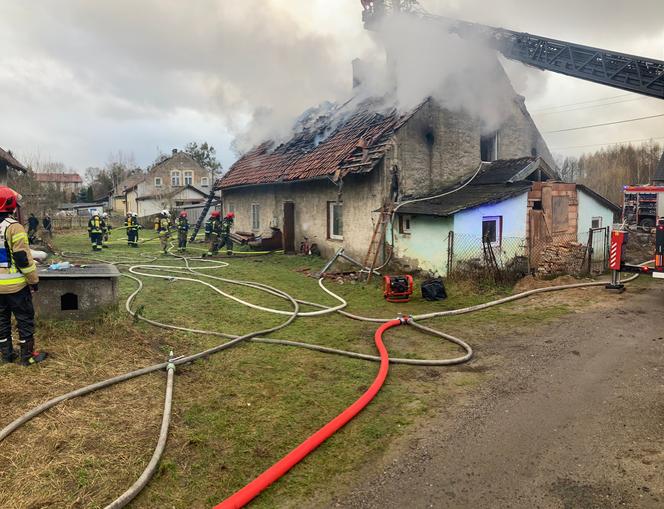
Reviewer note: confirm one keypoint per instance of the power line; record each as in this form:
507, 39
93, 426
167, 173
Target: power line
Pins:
610, 143
604, 124
590, 107
582, 102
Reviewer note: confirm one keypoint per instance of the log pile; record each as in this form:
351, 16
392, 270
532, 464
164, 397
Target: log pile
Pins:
562, 258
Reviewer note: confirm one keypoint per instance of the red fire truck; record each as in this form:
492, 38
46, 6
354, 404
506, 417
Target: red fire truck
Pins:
643, 206
616, 257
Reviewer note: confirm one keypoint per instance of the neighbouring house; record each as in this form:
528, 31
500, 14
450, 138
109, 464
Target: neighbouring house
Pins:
7, 162
518, 208
65, 183
346, 162
177, 181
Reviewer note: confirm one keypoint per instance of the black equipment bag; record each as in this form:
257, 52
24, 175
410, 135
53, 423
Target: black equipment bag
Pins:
434, 289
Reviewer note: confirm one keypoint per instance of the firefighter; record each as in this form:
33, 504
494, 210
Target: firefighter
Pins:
162, 226
96, 228
18, 280
48, 226
208, 229
106, 232
215, 232
226, 226
182, 225
33, 225
131, 222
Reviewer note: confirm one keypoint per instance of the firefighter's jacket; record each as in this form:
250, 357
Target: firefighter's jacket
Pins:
96, 225
182, 224
17, 268
162, 226
131, 223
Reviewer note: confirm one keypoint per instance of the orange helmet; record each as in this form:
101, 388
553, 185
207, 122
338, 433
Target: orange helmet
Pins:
215, 213
8, 199
230, 215
183, 214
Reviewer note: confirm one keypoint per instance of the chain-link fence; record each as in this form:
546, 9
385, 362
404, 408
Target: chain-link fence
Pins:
510, 258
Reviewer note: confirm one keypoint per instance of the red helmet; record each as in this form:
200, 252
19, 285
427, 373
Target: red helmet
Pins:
215, 213
230, 215
8, 199
183, 214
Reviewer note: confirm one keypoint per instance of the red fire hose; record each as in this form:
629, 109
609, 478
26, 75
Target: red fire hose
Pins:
243, 496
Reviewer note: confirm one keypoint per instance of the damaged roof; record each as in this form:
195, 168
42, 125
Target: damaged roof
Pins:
467, 198
348, 139
513, 170
7, 157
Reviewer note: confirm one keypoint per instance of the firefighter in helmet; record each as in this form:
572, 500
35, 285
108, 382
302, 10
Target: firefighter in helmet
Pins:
208, 229
182, 225
215, 233
18, 280
96, 229
162, 226
226, 226
106, 231
131, 222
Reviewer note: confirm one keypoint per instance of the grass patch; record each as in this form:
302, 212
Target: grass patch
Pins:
238, 411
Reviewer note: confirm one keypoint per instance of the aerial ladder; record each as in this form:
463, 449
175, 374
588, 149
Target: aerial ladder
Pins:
637, 74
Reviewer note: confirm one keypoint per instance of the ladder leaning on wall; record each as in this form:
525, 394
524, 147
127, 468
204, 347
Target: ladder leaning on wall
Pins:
377, 240
204, 212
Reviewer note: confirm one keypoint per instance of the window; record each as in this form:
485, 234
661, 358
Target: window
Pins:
489, 147
205, 182
492, 229
231, 208
157, 181
255, 216
596, 222
404, 224
175, 178
335, 224
188, 178
560, 213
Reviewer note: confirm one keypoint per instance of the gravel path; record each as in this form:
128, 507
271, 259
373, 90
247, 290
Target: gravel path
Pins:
574, 419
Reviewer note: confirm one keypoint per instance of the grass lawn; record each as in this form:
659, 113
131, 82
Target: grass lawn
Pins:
239, 411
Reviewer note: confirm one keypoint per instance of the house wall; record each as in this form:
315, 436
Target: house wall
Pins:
589, 208
426, 247
438, 147
362, 194
178, 162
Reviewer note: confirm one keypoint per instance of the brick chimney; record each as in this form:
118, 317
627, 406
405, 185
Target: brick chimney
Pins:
175, 151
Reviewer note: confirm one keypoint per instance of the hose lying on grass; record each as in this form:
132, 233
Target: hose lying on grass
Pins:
135, 268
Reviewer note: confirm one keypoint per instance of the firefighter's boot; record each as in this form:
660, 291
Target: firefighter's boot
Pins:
7, 354
28, 354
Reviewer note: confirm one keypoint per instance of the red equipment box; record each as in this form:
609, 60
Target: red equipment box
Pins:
398, 288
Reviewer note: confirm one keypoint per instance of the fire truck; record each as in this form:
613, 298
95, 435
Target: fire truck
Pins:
643, 206
617, 264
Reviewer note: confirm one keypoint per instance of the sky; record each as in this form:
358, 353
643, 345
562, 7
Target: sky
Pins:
81, 80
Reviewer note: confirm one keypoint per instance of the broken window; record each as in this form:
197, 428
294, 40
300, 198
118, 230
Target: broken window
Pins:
492, 229
188, 178
335, 220
489, 147
175, 178
560, 213
255, 216
404, 224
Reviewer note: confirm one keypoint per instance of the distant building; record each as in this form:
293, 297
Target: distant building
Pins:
177, 181
63, 182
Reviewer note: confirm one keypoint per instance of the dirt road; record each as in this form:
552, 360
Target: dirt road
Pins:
574, 420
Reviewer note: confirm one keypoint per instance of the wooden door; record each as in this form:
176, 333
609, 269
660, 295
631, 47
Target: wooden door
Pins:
289, 227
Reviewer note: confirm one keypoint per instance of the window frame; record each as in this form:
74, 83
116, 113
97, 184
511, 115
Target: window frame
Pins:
188, 174
600, 220
255, 216
405, 224
499, 229
494, 149
174, 174
160, 183
330, 220
205, 182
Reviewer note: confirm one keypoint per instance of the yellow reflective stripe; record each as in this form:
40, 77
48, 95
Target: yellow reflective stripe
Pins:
30, 269
19, 236
13, 281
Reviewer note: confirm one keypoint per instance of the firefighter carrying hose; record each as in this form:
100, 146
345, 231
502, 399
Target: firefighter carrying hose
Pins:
131, 223
162, 226
106, 231
182, 225
18, 280
96, 229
